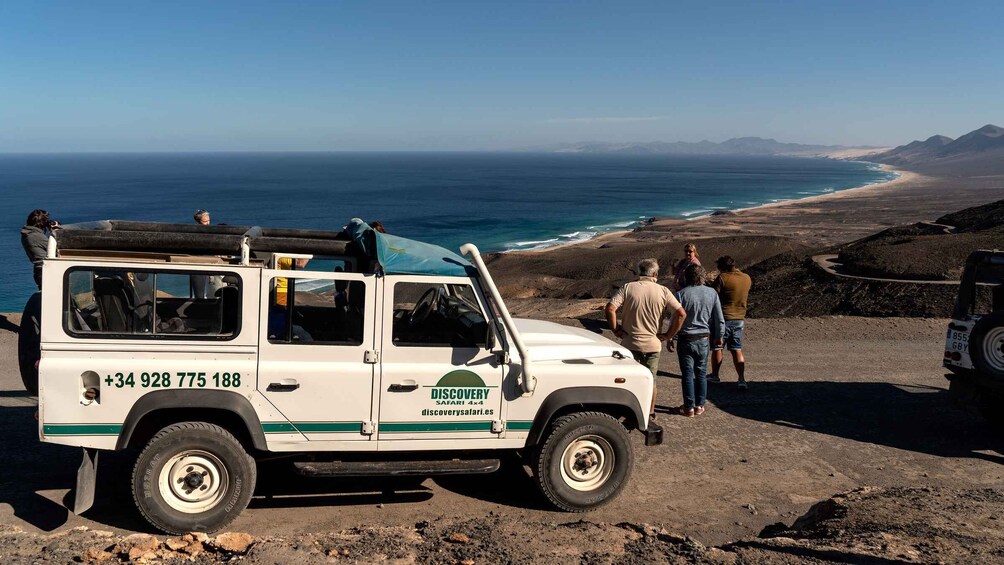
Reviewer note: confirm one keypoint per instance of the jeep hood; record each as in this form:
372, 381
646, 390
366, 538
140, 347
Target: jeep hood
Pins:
548, 341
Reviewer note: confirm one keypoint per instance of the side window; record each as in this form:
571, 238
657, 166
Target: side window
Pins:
317, 311
147, 303
437, 315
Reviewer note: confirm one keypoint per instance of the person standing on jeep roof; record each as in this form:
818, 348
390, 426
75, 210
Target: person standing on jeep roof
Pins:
646, 303
733, 288
35, 240
204, 286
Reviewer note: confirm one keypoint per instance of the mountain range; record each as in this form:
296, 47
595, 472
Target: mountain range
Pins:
734, 146
979, 152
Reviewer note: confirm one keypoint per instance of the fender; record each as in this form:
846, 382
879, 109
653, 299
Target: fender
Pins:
187, 398
584, 396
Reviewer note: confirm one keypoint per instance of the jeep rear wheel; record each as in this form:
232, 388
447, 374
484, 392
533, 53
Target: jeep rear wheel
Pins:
584, 462
986, 345
193, 477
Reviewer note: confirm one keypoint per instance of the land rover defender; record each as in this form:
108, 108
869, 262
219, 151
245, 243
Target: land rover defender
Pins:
204, 349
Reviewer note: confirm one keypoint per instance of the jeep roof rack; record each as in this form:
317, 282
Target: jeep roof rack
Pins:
191, 239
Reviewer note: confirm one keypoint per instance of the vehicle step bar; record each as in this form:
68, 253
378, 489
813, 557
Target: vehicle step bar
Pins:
395, 468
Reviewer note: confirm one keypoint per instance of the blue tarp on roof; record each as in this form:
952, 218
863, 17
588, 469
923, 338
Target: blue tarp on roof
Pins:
402, 256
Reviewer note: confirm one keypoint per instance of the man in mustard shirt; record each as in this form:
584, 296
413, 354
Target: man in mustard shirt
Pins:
733, 288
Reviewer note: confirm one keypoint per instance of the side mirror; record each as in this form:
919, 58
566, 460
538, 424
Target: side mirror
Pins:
496, 331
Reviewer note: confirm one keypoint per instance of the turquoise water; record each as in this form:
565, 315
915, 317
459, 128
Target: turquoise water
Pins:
500, 201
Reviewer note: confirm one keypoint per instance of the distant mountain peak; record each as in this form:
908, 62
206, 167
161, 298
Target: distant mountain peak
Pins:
938, 140
735, 146
991, 130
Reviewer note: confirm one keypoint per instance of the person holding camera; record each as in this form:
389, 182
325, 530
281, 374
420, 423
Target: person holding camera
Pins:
35, 240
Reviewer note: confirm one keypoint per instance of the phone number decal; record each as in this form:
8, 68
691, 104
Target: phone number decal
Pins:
177, 380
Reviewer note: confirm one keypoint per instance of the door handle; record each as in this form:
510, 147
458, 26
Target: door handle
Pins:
285, 385
403, 386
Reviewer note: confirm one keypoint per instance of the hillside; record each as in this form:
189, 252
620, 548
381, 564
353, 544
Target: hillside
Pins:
977, 153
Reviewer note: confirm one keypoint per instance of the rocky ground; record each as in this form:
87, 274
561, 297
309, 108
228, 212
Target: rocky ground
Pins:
836, 404
865, 525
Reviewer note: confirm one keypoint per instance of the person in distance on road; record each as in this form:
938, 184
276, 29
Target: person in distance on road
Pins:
704, 326
733, 288
646, 304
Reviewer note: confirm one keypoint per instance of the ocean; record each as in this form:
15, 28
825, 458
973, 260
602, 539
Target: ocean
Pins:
499, 201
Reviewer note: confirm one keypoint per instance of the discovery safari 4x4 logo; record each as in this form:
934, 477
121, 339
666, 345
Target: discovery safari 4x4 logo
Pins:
460, 387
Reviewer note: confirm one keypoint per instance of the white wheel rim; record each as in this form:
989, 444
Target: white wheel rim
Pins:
193, 481
587, 463
993, 349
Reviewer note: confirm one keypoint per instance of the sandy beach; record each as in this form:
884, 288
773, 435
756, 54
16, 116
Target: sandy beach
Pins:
904, 178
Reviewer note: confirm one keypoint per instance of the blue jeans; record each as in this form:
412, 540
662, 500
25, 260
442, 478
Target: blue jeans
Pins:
693, 356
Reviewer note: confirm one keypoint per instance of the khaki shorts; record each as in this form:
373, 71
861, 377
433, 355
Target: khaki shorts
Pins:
650, 360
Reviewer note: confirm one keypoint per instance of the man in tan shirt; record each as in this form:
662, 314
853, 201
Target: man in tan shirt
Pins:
646, 304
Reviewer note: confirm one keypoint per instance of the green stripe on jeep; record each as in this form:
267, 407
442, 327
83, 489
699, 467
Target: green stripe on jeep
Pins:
518, 425
278, 428
311, 427
81, 429
328, 427
413, 427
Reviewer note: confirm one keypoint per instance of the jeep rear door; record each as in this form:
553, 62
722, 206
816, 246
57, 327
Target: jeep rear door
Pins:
316, 331
438, 379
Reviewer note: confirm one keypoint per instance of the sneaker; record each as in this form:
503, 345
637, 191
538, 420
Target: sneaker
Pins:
698, 411
714, 379
741, 385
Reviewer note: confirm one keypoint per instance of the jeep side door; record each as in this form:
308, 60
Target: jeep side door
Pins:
316, 330
438, 379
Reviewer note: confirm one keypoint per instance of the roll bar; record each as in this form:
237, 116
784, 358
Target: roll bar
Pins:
527, 381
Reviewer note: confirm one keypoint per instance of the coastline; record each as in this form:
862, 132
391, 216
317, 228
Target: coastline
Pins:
903, 178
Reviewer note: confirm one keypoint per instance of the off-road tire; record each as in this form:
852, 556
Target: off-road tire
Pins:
218, 448
990, 363
29, 342
591, 431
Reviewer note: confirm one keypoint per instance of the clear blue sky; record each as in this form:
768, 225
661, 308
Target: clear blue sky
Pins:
215, 75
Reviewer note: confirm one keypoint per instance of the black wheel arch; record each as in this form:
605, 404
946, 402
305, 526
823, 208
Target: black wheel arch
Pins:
157, 409
617, 402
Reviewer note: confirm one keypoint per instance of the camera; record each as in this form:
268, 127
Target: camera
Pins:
53, 224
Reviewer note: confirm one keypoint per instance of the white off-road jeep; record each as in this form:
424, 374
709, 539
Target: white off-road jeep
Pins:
351, 353
974, 346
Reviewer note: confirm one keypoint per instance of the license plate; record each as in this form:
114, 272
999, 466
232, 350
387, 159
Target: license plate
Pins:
958, 341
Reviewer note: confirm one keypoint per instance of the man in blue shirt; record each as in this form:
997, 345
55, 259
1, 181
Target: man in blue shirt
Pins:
703, 326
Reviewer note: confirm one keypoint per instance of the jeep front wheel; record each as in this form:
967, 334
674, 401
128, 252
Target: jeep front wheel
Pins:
584, 461
193, 477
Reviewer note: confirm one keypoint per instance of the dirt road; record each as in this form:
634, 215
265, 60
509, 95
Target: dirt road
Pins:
834, 404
